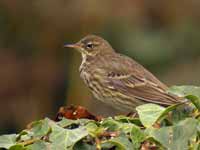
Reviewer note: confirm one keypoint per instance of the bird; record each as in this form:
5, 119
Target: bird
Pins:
118, 80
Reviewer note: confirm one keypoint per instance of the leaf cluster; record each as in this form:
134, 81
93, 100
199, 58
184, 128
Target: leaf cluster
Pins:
174, 128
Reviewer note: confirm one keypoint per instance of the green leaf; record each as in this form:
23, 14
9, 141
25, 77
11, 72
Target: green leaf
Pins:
149, 113
65, 138
190, 92
175, 137
40, 128
196, 146
126, 127
125, 119
167, 110
68, 122
24, 135
179, 114
185, 90
6, 141
83, 146
110, 124
137, 136
195, 100
198, 126
107, 146
93, 129
122, 143
18, 147
113, 125
39, 145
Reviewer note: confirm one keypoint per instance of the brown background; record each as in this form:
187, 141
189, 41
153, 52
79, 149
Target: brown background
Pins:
37, 75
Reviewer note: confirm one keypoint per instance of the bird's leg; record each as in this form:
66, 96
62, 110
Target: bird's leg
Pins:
132, 114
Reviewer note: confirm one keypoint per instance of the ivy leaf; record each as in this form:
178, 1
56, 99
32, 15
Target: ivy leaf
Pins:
93, 129
122, 143
68, 122
149, 113
110, 124
6, 141
178, 131
113, 125
39, 145
137, 136
40, 128
65, 138
83, 146
175, 137
185, 90
190, 92
24, 135
167, 110
195, 100
127, 127
125, 119
17, 147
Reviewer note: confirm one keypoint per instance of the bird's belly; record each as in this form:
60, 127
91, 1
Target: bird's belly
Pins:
93, 85
110, 97
114, 99
120, 103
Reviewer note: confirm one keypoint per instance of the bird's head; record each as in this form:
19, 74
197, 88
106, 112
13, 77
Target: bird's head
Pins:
91, 45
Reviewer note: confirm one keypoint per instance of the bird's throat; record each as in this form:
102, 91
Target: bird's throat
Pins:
84, 58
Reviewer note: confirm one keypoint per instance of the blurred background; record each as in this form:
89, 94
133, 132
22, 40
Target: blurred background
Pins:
37, 75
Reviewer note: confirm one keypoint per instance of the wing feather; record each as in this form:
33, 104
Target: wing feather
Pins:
131, 79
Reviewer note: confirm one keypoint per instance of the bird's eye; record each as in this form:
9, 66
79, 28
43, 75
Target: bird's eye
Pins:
90, 45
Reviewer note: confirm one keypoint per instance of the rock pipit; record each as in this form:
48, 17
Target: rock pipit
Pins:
116, 79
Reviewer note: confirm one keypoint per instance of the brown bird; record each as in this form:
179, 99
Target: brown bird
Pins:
118, 80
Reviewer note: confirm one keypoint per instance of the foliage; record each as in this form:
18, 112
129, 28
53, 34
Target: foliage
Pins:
175, 128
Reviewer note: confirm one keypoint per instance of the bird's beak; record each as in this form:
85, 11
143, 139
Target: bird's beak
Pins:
75, 46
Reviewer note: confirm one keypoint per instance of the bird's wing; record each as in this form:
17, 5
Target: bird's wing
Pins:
131, 79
